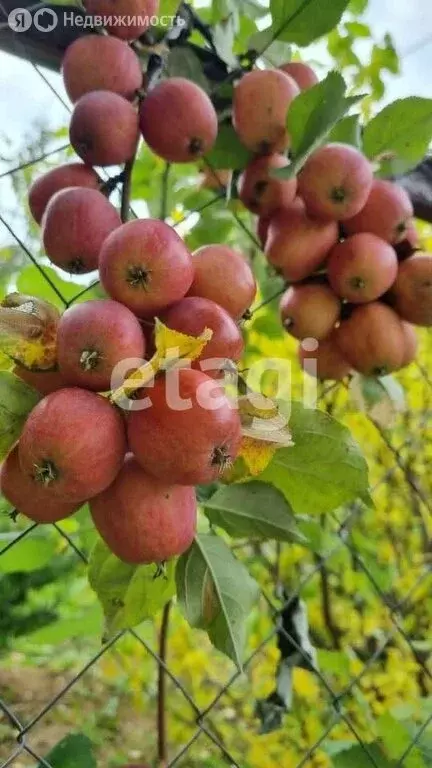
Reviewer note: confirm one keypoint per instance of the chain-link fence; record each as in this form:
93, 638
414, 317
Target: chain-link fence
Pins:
369, 608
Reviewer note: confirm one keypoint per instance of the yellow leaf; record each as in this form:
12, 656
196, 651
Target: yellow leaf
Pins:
137, 379
171, 348
256, 454
256, 405
262, 420
28, 331
6, 363
264, 430
238, 472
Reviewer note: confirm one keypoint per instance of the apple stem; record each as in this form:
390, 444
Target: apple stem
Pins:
45, 472
195, 146
161, 709
221, 458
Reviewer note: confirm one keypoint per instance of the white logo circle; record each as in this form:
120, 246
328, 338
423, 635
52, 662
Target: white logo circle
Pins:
45, 20
20, 20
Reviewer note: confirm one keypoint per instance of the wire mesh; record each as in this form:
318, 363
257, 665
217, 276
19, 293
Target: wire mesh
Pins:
209, 723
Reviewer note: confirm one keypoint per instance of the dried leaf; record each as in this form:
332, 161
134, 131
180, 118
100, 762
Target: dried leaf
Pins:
264, 430
383, 399
263, 421
28, 331
256, 454
171, 348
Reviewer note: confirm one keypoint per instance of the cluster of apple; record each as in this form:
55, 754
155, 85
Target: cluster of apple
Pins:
333, 232
137, 468
344, 242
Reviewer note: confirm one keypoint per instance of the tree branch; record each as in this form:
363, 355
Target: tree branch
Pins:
126, 190
418, 184
326, 604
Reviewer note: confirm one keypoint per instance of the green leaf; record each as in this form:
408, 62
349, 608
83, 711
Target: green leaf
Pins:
70, 3
318, 539
222, 8
357, 29
224, 35
360, 757
269, 324
253, 509
323, 470
396, 740
30, 553
33, 283
17, 399
168, 7
315, 111
303, 21
85, 624
74, 751
183, 62
401, 132
334, 662
214, 763
347, 131
129, 594
228, 151
311, 117
357, 6
216, 593
335, 747
383, 576
275, 51
247, 28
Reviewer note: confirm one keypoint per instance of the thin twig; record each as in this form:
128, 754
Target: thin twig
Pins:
269, 299
412, 482
35, 161
202, 208
326, 603
126, 190
51, 87
109, 185
164, 195
284, 26
32, 259
82, 293
161, 709
241, 224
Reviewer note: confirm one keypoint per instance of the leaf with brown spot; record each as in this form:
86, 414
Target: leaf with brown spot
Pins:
216, 593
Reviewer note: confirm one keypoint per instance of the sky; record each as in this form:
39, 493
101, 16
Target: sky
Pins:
410, 24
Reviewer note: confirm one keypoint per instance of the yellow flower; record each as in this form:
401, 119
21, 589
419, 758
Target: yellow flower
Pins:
306, 685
